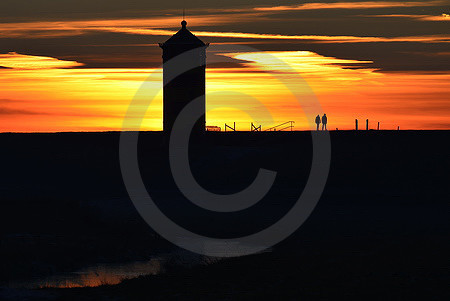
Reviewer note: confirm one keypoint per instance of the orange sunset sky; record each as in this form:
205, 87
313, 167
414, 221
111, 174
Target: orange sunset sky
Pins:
77, 67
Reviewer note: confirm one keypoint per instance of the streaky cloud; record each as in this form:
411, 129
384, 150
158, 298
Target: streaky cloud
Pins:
133, 27
13, 60
436, 18
316, 38
8, 111
351, 5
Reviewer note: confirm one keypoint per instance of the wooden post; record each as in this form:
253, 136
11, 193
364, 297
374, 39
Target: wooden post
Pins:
356, 124
378, 128
367, 124
398, 128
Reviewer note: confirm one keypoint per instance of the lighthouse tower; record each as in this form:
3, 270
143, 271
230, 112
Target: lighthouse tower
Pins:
181, 89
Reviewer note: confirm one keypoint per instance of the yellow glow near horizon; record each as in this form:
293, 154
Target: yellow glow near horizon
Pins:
48, 99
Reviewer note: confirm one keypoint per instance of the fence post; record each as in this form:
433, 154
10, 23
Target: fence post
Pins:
367, 124
356, 124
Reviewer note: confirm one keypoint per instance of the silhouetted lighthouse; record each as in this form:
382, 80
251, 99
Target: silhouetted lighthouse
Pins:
187, 86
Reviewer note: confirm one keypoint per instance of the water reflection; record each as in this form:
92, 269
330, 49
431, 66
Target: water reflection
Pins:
112, 274
109, 274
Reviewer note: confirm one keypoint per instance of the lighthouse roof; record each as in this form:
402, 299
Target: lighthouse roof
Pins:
184, 36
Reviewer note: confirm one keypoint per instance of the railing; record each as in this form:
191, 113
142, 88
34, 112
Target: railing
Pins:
254, 128
282, 127
231, 128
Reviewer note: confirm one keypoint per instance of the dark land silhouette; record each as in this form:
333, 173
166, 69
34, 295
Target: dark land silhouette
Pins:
380, 230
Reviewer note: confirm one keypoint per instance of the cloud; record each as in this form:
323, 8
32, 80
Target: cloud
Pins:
352, 5
317, 38
328, 39
45, 29
442, 17
9, 111
15, 60
147, 27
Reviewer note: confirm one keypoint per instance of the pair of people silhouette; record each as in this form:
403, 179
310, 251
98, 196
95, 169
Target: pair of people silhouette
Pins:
324, 122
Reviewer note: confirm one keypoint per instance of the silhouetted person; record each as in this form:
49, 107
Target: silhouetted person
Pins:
324, 122
318, 121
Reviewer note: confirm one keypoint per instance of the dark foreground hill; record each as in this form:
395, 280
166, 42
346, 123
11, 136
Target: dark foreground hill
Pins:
380, 230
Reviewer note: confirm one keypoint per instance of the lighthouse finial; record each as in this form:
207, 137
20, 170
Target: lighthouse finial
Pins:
184, 23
